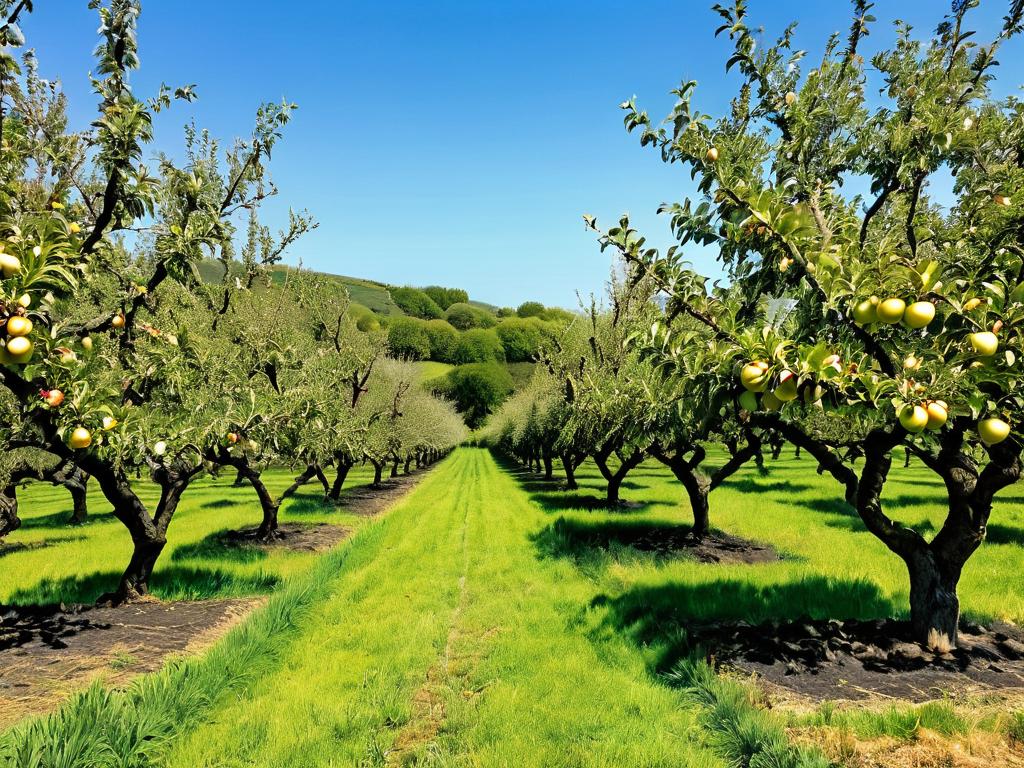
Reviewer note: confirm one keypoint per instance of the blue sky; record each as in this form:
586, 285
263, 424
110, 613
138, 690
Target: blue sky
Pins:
455, 143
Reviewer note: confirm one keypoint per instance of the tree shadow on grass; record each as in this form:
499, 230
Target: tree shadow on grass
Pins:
657, 618
308, 504
214, 547
168, 583
61, 520
827, 506
754, 486
568, 501
999, 533
222, 503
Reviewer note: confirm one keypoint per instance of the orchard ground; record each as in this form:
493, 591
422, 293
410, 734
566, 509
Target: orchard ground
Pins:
491, 618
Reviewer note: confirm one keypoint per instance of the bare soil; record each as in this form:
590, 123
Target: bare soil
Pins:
49, 652
857, 660
292, 536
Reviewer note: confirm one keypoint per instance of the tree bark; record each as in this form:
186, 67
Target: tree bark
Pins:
394, 467
569, 463
9, 520
549, 468
378, 473
408, 463
343, 466
79, 502
614, 479
268, 504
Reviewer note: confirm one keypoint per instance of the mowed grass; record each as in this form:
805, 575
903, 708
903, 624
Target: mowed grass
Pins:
448, 643
831, 566
47, 561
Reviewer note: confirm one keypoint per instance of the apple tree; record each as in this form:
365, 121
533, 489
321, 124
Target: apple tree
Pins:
904, 303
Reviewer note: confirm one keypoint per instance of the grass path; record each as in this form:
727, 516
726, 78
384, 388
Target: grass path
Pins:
446, 642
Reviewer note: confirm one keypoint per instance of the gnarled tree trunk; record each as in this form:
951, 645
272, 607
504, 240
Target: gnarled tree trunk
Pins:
614, 479
9, 520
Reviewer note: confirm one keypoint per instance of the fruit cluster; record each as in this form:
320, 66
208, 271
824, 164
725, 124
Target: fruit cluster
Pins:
15, 346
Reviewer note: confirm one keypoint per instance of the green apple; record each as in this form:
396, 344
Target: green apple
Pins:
984, 343
919, 314
993, 431
891, 311
914, 418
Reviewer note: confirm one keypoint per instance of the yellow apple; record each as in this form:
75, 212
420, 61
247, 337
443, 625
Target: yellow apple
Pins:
937, 414
993, 431
118, 320
984, 343
753, 376
20, 349
891, 311
87, 343
19, 326
160, 448
9, 265
80, 438
919, 314
790, 98
913, 418
866, 312
25, 300
972, 304
786, 391
712, 154
109, 422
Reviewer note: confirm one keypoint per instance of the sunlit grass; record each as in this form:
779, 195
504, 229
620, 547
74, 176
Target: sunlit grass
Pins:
48, 561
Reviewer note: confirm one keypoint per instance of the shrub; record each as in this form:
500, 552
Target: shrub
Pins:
479, 345
407, 337
415, 302
521, 338
530, 309
476, 389
445, 297
465, 316
444, 340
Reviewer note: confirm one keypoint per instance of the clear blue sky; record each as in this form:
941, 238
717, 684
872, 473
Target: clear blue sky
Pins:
451, 142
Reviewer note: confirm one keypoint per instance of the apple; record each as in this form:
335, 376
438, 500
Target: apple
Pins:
712, 154
770, 402
19, 326
790, 98
748, 401
80, 438
1002, 200
75, 227
20, 349
786, 391
67, 356
865, 312
919, 314
993, 431
968, 123
160, 448
984, 343
109, 422
891, 311
913, 418
834, 362
52, 397
937, 414
911, 363
972, 304
9, 265
87, 343
118, 320
25, 300
753, 376
232, 437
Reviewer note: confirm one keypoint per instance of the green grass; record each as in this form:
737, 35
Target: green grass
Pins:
490, 619
77, 564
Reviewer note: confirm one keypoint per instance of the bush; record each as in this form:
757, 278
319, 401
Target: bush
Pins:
408, 338
444, 340
445, 297
521, 338
465, 316
530, 309
479, 345
476, 389
415, 302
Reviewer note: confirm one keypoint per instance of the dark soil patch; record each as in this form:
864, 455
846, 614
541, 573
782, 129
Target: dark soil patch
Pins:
367, 500
48, 652
292, 536
865, 659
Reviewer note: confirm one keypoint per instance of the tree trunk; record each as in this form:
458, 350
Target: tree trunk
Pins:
270, 506
339, 480
9, 520
79, 502
134, 583
239, 479
549, 469
569, 467
394, 467
378, 473
696, 485
615, 478
408, 462
934, 605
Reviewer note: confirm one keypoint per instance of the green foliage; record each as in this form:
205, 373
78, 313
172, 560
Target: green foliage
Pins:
479, 345
444, 340
522, 339
408, 338
466, 316
445, 297
476, 389
530, 309
415, 302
